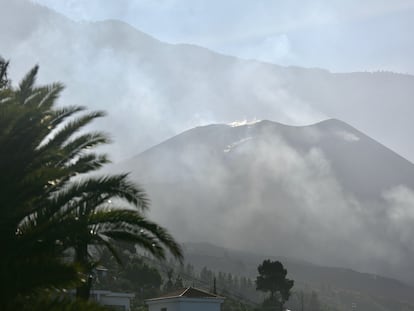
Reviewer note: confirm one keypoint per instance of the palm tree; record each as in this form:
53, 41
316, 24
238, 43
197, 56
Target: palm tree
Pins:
47, 208
27, 262
92, 211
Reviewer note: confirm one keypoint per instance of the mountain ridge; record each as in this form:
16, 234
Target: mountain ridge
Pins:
330, 190
305, 274
167, 88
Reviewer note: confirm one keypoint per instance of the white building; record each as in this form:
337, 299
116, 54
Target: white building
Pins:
187, 299
113, 300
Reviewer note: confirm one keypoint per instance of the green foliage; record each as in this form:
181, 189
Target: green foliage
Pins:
272, 279
137, 275
4, 81
31, 251
305, 300
231, 304
47, 302
48, 203
239, 291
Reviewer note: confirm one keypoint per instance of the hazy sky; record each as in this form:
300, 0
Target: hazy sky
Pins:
168, 89
337, 35
153, 91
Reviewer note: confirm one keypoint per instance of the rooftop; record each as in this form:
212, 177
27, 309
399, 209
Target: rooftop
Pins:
189, 292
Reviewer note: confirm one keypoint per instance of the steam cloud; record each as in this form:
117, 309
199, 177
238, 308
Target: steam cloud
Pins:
153, 91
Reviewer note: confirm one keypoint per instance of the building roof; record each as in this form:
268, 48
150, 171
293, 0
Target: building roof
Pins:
189, 292
108, 293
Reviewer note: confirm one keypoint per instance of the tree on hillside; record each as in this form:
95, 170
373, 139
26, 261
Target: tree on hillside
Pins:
4, 81
169, 285
48, 203
272, 279
314, 303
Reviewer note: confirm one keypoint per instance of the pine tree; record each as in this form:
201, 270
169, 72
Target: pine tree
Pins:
272, 279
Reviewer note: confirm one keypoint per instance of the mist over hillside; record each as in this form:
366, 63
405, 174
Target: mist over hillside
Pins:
325, 193
153, 90
242, 159
368, 291
327, 186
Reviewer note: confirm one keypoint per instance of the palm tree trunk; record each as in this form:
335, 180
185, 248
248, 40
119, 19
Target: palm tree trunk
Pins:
84, 291
81, 258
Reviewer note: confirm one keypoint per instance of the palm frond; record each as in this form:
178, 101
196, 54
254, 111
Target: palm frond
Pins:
47, 95
105, 241
88, 162
136, 224
144, 240
103, 188
81, 143
61, 137
26, 85
61, 114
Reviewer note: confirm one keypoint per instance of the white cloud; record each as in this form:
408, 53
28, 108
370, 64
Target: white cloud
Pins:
347, 136
401, 208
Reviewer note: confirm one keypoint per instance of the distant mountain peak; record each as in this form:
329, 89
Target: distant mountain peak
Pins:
243, 122
303, 184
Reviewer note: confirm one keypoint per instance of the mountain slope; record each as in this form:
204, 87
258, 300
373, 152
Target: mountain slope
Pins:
370, 292
153, 90
325, 193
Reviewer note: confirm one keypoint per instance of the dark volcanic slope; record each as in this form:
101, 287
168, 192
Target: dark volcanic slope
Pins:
326, 193
363, 166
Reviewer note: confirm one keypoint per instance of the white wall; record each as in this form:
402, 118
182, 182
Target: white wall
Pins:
115, 301
185, 304
121, 301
